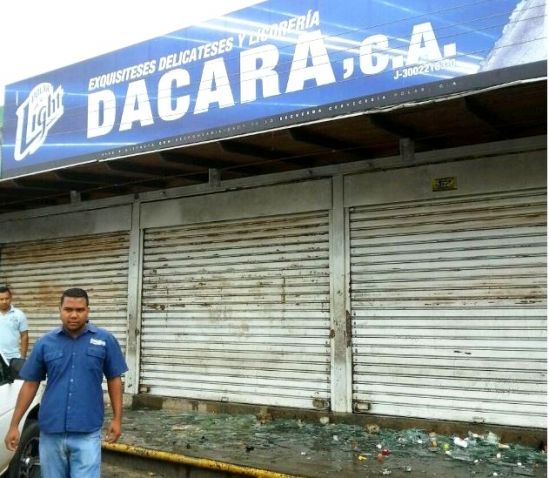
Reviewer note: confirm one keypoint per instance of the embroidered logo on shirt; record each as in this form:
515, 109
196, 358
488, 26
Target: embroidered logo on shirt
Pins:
98, 342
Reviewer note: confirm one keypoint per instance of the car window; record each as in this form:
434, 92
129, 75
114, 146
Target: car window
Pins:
5, 374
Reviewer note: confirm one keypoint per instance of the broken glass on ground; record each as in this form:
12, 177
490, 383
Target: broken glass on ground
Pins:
315, 449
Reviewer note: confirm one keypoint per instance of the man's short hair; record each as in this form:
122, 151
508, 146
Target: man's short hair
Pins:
5, 288
75, 293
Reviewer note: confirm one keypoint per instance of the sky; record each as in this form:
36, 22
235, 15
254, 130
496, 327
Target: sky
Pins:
38, 36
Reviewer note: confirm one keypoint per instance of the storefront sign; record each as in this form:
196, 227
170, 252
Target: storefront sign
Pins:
275, 64
444, 184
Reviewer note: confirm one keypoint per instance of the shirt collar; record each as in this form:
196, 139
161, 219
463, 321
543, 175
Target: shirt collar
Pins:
87, 328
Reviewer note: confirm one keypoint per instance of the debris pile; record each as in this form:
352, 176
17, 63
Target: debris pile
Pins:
327, 449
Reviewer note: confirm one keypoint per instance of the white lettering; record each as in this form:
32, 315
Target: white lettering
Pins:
35, 117
101, 113
130, 73
214, 87
250, 73
301, 23
136, 106
372, 61
168, 108
315, 19
423, 45
310, 44
282, 29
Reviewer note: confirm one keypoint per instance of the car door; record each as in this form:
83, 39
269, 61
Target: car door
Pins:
9, 390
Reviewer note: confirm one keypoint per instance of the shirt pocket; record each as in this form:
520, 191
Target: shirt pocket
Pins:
54, 362
95, 357
50, 357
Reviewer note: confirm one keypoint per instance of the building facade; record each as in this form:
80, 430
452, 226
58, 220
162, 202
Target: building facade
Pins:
380, 254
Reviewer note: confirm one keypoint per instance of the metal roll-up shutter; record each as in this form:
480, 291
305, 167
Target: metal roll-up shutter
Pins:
449, 308
38, 272
238, 311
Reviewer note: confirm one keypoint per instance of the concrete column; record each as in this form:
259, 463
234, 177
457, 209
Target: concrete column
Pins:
341, 359
133, 343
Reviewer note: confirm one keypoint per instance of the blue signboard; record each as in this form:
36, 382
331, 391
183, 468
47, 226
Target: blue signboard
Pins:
278, 63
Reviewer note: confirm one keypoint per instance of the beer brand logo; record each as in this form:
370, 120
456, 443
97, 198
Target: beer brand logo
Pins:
35, 117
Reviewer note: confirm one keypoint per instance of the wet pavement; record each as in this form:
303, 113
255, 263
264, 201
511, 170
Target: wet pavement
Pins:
109, 470
315, 449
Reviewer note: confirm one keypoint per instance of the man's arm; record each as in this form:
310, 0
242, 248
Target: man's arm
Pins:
114, 386
24, 399
24, 343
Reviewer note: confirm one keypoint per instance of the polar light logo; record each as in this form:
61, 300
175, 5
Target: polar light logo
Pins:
35, 117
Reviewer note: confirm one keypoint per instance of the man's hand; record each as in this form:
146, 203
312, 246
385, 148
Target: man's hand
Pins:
12, 438
113, 432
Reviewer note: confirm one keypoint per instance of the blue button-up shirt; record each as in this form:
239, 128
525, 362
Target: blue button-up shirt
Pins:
74, 369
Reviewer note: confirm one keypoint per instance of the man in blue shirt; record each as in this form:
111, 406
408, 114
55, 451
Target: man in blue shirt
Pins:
14, 335
73, 358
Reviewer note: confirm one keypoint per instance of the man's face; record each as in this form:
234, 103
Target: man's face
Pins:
74, 314
5, 301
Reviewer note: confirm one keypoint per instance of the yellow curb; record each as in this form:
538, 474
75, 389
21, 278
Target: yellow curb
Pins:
192, 461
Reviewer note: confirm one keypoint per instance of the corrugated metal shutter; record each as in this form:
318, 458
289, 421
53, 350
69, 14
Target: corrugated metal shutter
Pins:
449, 308
39, 271
238, 311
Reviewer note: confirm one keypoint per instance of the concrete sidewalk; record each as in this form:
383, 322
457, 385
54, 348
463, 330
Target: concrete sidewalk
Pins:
315, 449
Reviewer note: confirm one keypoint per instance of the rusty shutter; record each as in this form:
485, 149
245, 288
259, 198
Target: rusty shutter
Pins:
238, 311
448, 303
39, 271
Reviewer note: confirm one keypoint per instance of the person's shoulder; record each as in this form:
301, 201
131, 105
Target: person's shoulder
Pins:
50, 335
17, 311
43, 340
100, 332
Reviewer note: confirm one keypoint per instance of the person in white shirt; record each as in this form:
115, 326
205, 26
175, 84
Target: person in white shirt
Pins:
14, 335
